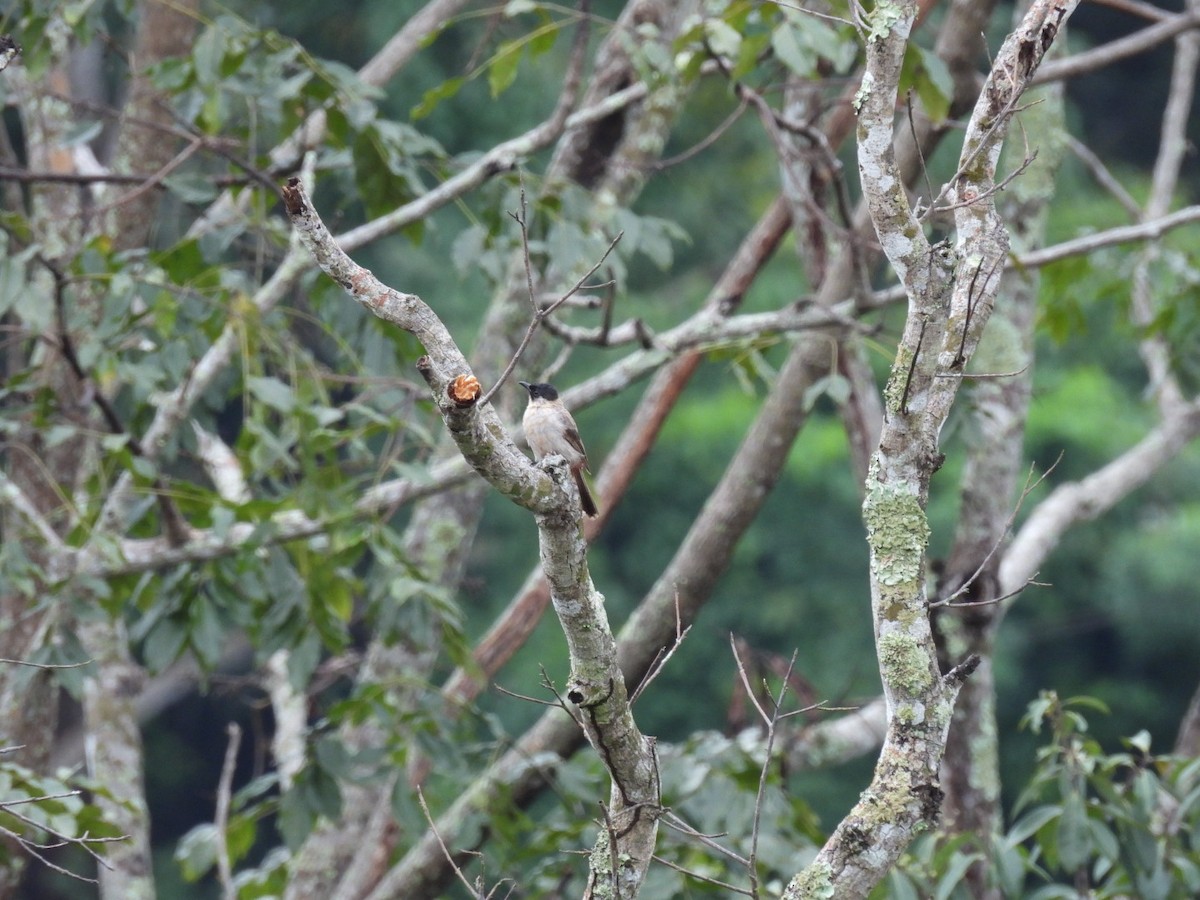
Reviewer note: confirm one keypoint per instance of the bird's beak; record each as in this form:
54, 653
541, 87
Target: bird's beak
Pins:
524, 384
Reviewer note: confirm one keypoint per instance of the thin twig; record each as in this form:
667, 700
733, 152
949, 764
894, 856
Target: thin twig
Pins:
750, 692
660, 660
916, 142
224, 794
445, 850
673, 820
982, 375
707, 879
705, 142
542, 313
518, 696
772, 729
1029, 488
156, 179
23, 662
1104, 177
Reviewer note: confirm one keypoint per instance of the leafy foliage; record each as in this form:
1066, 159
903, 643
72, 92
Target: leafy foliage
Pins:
318, 407
1106, 824
42, 813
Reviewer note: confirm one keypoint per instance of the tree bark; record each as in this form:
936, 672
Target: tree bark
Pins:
950, 294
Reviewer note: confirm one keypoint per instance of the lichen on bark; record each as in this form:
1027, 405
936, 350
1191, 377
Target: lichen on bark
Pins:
898, 533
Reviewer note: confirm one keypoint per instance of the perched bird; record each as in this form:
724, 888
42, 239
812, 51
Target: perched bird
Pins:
551, 431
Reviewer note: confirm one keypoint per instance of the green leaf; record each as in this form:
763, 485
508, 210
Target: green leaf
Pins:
435, 95
196, 851
1088, 702
1072, 836
925, 74
57, 434
955, 871
321, 792
144, 468
792, 51
164, 643
338, 598
240, 836
1031, 823
182, 262
502, 69
303, 661
295, 820
542, 41
192, 187
381, 165
722, 38
207, 635
273, 392
206, 54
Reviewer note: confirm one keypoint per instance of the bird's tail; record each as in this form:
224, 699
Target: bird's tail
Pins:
585, 495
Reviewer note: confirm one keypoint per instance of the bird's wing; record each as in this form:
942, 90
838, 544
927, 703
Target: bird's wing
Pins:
576, 441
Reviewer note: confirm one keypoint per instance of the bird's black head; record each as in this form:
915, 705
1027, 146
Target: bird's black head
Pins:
540, 390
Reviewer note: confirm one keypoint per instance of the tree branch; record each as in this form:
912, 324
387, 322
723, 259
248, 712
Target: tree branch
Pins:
1107, 54
1093, 495
596, 685
945, 320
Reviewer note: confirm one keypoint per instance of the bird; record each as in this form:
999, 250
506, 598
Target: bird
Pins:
551, 431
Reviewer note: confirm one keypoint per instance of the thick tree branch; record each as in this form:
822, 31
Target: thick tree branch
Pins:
477, 431
945, 320
517, 622
596, 686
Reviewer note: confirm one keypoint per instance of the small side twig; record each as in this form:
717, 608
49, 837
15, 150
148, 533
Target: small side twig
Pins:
706, 879
473, 890
48, 666
1031, 485
540, 313
663, 655
224, 795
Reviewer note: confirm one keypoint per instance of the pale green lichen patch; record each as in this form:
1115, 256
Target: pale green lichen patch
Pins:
816, 882
883, 18
893, 393
601, 865
898, 533
902, 664
887, 802
864, 90
910, 714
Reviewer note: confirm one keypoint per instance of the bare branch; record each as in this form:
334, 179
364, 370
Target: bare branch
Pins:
224, 793
1103, 176
1094, 495
12, 495
1144, 231
706, 879
458, 872
664, 656
541, 313
1107, 54
47, 666
1031, 484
